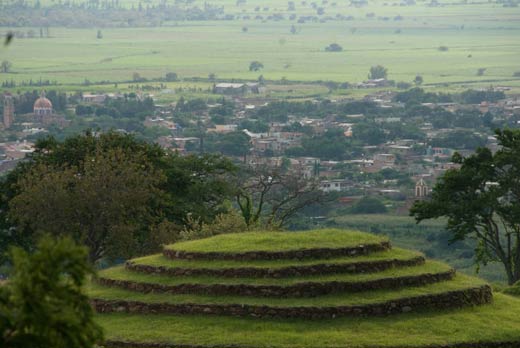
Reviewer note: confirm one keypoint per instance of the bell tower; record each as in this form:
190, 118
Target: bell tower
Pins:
8, 111
421, 189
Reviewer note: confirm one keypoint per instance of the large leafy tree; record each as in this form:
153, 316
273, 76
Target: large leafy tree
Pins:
110, 203
43, 305
378, 72
481, 200
129, 194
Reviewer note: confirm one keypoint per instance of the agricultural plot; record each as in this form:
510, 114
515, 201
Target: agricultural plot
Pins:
296, 289
405, 39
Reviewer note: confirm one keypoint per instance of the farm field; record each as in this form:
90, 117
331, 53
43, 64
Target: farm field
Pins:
405, 39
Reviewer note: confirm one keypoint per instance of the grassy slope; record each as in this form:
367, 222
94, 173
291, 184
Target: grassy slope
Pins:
121, 274
278, 241
458, 283
498, 321
160, 260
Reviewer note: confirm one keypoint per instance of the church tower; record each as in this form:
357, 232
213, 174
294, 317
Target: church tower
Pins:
421, 189
8, 111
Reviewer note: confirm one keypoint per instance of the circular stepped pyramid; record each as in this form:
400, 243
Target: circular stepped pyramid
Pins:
324, 274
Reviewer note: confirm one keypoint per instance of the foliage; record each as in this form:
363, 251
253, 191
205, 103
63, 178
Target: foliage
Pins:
168, 187
170, 77
459, 139
199, 185
476, 97
272, 197
108, 203
43, 304
5, 66
255, 66
333, 47
230, 144
482, 200
230, 222
368, 205
331, 145
418, 95
378, 72
368, 133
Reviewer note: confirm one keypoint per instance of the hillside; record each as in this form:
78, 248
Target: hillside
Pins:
323, 288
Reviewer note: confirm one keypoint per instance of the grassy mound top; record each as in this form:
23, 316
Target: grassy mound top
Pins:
120, 273
496, 322
278, 241
460, 282
159, 260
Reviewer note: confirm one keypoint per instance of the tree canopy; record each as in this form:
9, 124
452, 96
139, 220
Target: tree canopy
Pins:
43, 304
482, 201
378, 72
116, 194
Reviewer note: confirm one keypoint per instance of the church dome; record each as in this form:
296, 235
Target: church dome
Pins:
42, 103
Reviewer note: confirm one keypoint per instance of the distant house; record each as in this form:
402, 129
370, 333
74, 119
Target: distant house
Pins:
94, 98
374, 83
223, 128
237, 88
335, 185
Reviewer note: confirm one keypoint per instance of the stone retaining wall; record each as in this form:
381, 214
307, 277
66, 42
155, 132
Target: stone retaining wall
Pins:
278, 255
282, 272
303, 289
447, 300
128, 344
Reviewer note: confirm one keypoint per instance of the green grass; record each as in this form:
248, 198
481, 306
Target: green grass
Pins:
429, 237
495, 322
196, 49
458, 283
120, 273
278, 241
160, 260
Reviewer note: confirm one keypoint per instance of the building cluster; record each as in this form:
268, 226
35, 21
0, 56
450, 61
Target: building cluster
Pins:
398, 170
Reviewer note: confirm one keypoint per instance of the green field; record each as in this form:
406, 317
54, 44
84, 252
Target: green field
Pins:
483, 35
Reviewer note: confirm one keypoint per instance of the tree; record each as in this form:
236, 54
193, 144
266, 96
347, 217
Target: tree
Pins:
482, 201
110, 203
136, 77
195, 184
418, 80
369, 205
233, 144
272, 197
255, 66
333, 47
5, 66
99, 34
368, 133
8, 38
43, 304
171, 77
378, 72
